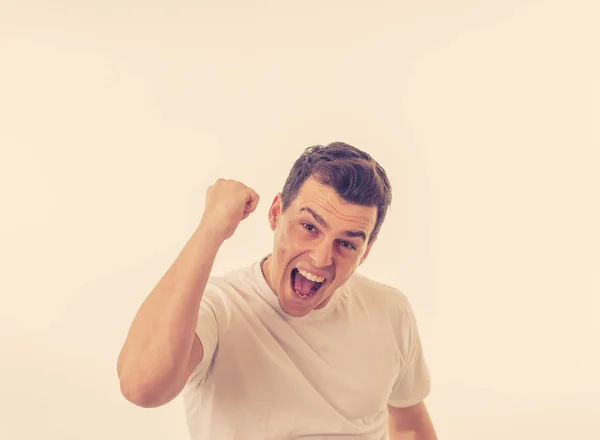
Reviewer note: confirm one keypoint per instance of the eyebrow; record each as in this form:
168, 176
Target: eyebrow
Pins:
323, 223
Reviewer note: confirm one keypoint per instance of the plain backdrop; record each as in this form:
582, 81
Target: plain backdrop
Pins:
115, 116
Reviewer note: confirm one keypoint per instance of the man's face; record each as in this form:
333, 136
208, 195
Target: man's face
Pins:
323, 236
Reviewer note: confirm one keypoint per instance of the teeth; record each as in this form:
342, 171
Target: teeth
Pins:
310, 276
305, 296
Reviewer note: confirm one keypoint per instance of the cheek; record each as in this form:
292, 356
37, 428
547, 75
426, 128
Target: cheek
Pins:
346, 268
292, 238
282, 240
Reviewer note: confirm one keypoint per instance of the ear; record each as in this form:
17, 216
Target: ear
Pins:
364, 257
275, 211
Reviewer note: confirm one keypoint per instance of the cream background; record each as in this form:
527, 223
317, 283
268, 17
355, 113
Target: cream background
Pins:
116, 116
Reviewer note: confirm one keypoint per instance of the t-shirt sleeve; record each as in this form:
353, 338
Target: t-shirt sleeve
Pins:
206, 329
413, 383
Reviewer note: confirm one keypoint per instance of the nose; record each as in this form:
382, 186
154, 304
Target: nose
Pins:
321, 254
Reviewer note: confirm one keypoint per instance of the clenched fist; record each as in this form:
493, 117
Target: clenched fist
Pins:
228, 202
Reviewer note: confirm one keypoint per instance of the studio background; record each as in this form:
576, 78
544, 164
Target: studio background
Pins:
116, 116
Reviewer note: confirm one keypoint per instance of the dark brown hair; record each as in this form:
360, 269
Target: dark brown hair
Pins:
355, 175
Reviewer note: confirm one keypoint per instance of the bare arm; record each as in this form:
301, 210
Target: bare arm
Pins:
161, 349
411, 423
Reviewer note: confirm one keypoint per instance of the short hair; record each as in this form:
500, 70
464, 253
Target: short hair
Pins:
354, 175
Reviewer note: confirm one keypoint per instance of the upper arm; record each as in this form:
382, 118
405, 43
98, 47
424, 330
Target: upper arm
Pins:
411, 418
149, 398
178, 384
196, 365
194, 360
198, 353
201, 353
196, 356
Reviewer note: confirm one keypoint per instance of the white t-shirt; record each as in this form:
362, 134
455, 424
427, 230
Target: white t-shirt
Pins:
327, 375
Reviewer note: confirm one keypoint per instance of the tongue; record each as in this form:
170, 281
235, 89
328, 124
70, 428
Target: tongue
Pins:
302, 284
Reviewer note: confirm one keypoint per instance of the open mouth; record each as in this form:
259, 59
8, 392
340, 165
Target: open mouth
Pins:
304, 287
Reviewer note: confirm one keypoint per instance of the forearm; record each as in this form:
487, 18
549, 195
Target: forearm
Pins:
159, 342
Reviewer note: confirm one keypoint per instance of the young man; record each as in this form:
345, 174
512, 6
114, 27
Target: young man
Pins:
298, 344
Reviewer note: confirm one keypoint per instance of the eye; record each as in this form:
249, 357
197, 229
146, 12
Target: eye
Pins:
308, 227
347, 244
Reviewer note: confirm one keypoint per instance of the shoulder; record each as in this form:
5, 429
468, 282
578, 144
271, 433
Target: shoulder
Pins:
234, 285
232, 278
389, 303
228, 294
377, 291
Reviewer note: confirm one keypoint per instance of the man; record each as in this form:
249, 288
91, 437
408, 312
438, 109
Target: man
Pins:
298, 344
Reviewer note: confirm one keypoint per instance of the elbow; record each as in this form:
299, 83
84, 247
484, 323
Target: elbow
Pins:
135, 394
142, 396
145, 389
141, 393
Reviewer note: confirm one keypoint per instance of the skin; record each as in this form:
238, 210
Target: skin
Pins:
312, 233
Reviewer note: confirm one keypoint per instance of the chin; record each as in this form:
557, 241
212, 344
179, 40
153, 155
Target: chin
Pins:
296, 314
